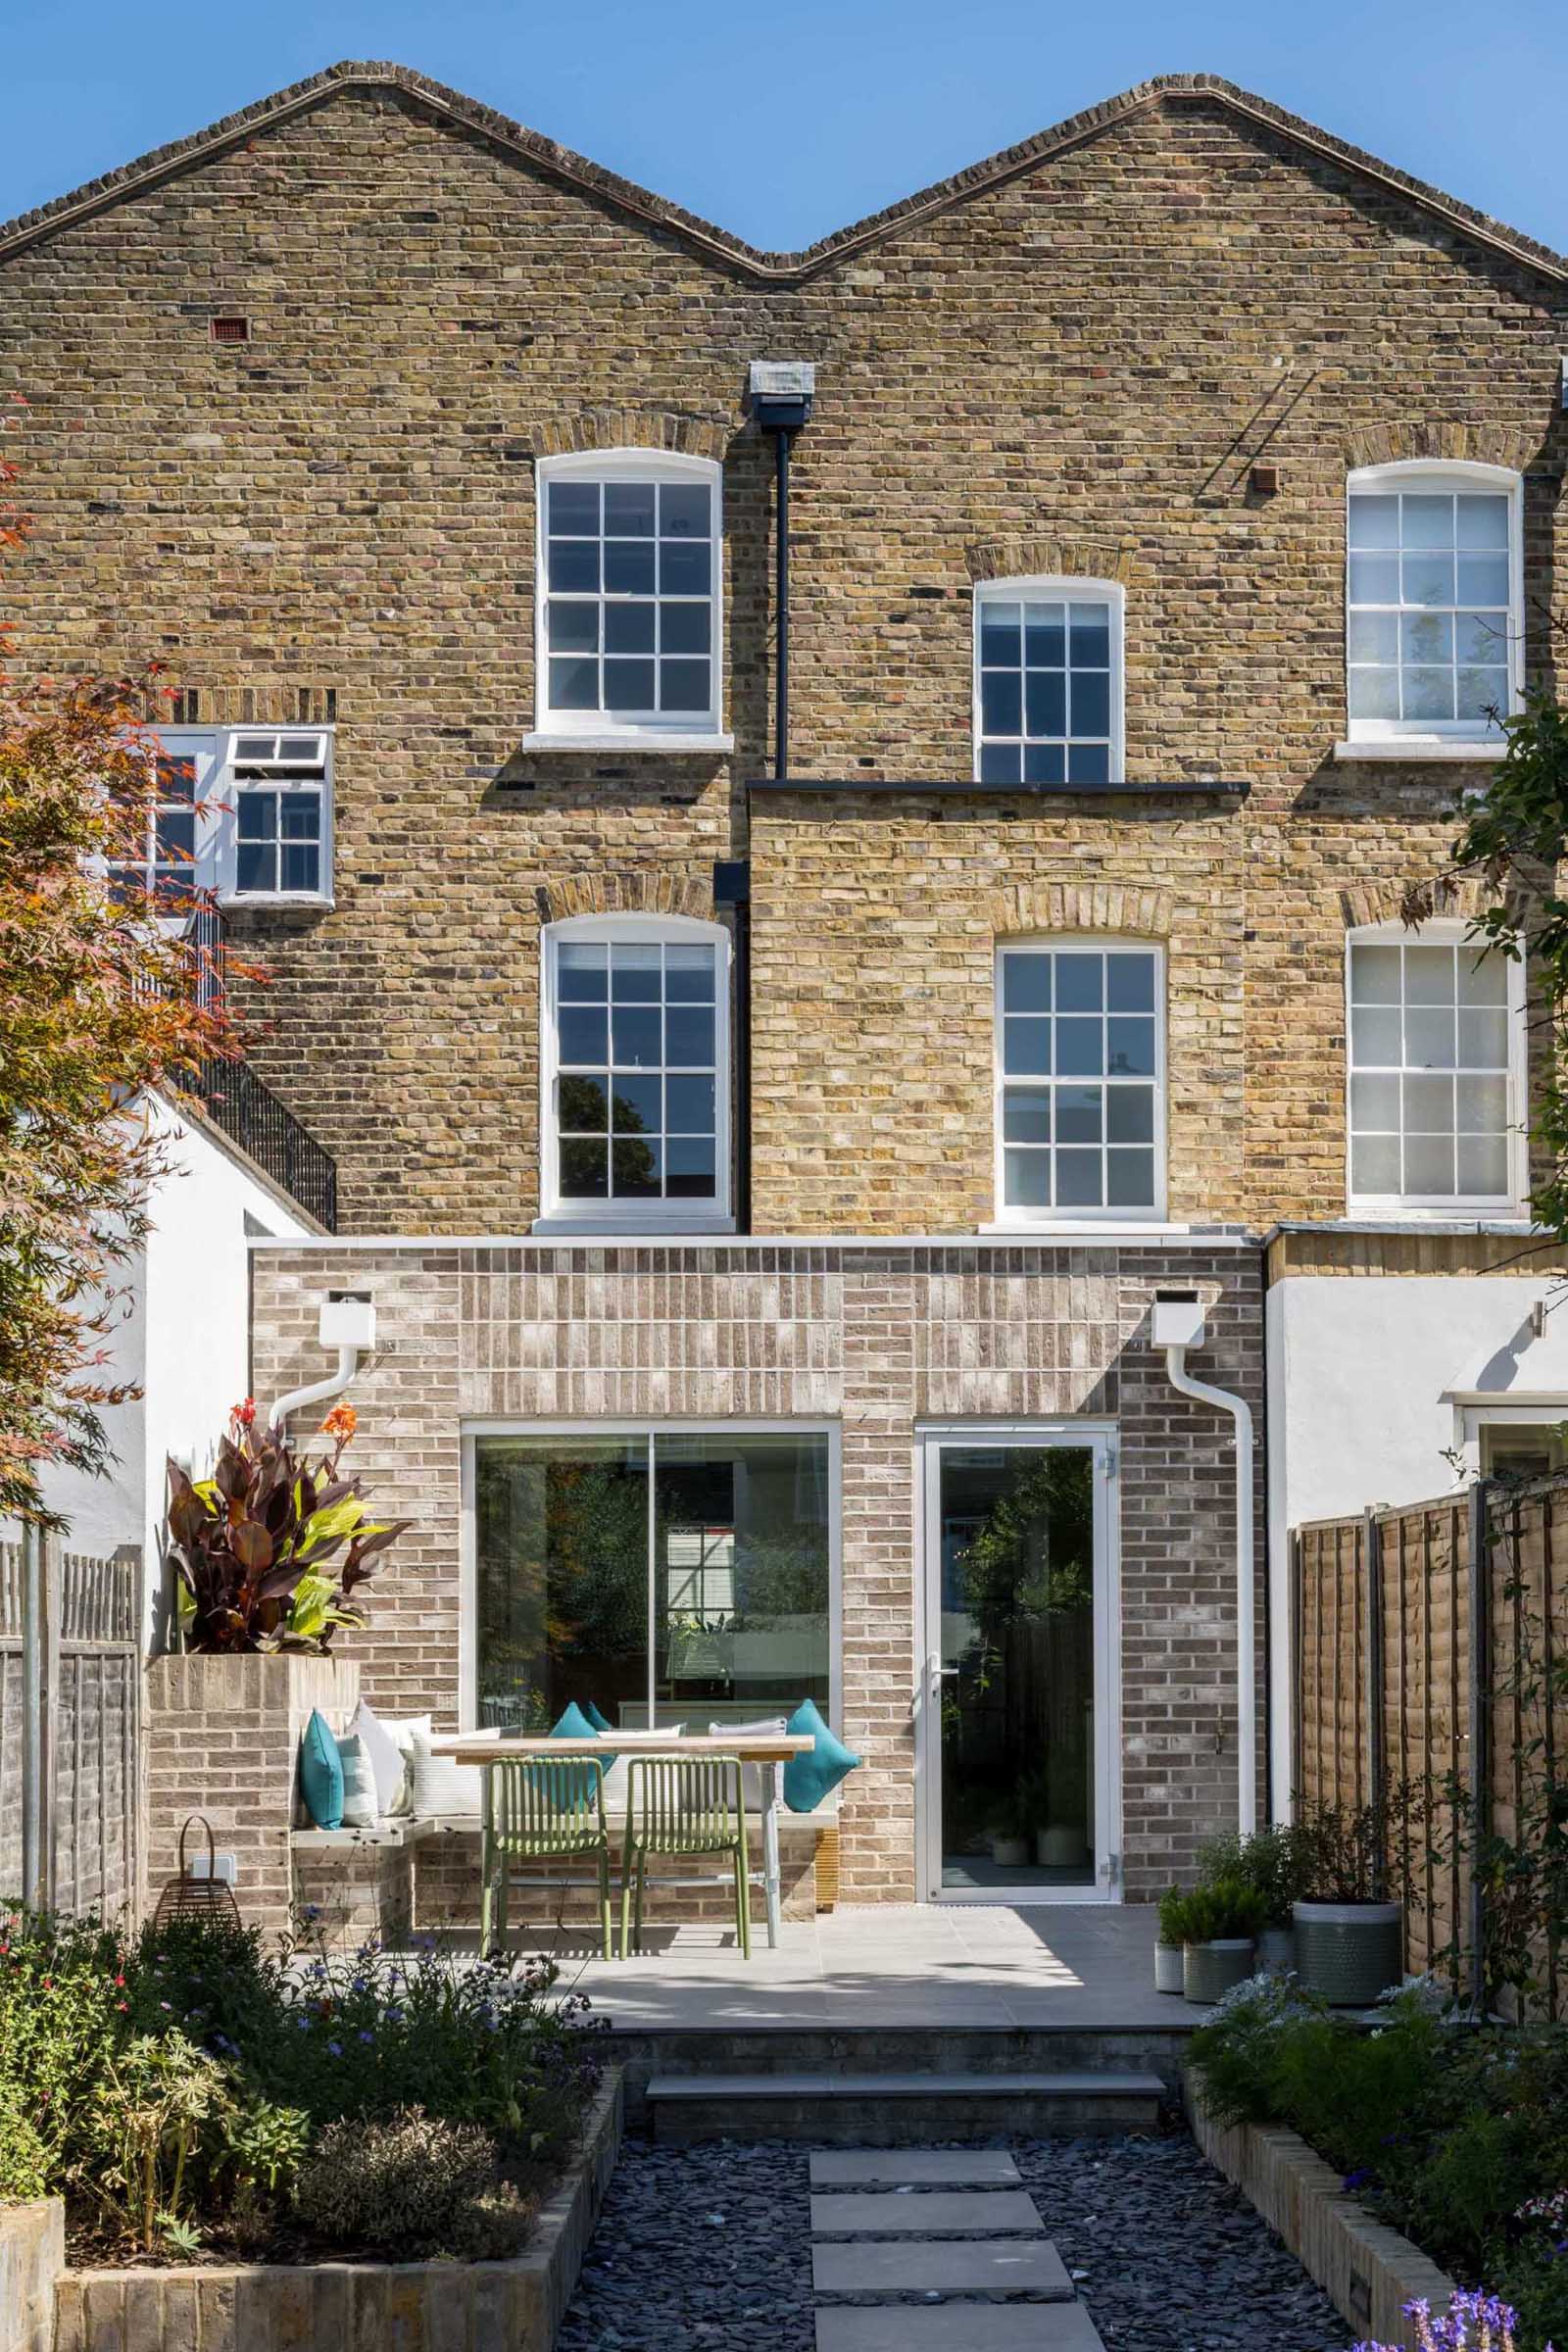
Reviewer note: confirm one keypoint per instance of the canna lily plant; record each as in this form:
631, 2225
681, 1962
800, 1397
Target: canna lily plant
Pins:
270, 1551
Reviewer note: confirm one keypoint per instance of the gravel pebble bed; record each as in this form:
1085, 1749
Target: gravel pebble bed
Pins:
711, 2246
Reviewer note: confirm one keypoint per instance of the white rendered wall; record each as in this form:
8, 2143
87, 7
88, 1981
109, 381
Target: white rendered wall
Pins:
183, 1338
1363, 1374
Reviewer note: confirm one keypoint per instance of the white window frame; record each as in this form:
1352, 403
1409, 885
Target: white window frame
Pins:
597, 730
215, 865
1444, 931
229, 794
204, 747
557, 1215
1439, 739
1061, 588
651, 1428
1009, 1219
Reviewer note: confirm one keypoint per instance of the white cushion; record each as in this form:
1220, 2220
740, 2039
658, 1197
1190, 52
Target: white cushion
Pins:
361, 1806
441, 1786
388, 1762
755, 1778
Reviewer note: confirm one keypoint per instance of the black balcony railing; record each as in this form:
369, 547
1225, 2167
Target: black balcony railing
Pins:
243, 1106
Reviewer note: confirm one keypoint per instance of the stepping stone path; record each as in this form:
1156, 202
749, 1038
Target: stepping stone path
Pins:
941, 2250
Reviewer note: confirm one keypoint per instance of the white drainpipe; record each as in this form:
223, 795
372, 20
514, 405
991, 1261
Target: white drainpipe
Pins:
1178, 1324
347, 1323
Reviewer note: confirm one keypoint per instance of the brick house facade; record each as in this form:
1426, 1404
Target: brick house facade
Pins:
1145, 350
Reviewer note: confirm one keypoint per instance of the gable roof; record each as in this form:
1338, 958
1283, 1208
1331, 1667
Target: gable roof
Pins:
578, 170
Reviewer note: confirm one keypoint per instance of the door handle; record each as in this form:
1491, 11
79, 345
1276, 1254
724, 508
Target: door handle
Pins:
938, 1671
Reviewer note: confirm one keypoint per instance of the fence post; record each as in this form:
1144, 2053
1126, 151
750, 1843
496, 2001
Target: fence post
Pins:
1372, 1554
40, 1676
1297, 1671
1479, 1570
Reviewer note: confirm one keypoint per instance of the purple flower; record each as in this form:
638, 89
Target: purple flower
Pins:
366, 2037
334, 2049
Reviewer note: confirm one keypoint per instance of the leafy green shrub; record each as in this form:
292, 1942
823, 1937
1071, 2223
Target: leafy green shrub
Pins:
1457, 2134
1225, 1909
377, 2033
1172, 1911
411, 2186
1270, 1861
173, 2084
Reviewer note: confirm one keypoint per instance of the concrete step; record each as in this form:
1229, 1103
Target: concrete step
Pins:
956, 2328
879, 2271
894, 2109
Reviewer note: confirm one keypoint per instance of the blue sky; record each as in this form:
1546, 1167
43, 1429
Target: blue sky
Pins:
782, 123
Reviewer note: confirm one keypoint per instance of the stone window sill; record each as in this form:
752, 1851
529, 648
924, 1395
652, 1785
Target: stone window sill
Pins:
629, 740
1423, 749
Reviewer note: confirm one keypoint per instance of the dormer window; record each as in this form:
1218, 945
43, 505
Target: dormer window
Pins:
629, 601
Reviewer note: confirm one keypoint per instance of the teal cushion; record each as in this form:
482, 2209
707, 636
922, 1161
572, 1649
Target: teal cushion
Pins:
809, 1777
574, 1724
322, 1774
600, 1723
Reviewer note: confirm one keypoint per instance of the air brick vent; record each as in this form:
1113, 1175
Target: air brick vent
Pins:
231, 331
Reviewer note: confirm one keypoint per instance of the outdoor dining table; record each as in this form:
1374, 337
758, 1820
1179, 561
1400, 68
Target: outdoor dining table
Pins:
768, 1749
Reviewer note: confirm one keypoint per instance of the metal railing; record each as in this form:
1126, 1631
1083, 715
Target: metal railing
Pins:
242, 1104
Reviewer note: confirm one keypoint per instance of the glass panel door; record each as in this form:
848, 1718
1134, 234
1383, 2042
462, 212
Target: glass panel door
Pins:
1016, 1745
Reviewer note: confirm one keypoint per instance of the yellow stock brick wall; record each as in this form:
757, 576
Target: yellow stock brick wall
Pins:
1071, 361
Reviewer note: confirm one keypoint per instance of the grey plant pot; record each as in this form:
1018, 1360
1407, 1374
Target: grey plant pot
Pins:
1211, 1969
1168, 1968
1347, 1953
1276, 1948
1009, 1853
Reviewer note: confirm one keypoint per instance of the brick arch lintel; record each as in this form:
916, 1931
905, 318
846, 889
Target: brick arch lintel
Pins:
623, 893
1026, 907
1369, 903
1433, 437
628, 428
1048, 558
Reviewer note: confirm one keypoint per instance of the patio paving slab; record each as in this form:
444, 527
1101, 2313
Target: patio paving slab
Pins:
956, 2328
953, 2266
934, 2167
924, 2213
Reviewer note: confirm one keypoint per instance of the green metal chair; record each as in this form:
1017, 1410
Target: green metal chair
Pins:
683, 1805
541, 1811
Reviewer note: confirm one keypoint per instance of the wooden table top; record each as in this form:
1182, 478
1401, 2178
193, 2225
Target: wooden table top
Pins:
752, 1747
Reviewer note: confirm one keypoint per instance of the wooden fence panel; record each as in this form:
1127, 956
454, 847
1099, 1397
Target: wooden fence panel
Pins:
1384, 1611
92, 1810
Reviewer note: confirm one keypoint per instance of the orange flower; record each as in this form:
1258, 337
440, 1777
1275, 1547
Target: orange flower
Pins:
341, 1424
243, 1414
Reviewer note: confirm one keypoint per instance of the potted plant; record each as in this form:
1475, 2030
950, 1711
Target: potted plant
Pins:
1350, 1915
1270, 1861
1220, 1925
1168, 1941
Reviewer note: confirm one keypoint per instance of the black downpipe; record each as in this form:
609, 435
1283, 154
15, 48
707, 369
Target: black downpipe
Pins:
781, 606
732, 888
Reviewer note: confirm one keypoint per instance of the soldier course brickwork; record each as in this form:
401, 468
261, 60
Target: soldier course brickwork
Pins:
1073, 354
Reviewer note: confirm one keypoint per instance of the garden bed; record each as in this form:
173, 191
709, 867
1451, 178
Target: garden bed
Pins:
1396, 2157
205, 2107
423, 2307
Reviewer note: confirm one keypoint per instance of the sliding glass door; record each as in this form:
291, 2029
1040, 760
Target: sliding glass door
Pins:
1018, 1740
662, 1575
